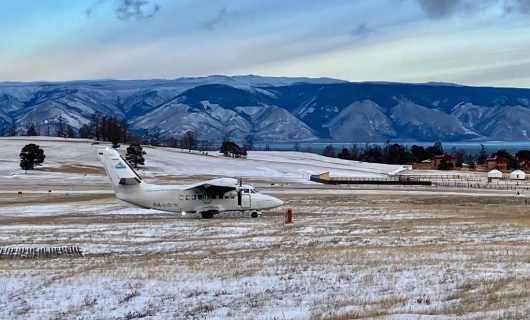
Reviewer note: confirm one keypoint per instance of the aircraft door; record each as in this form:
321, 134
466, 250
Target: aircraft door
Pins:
245, 200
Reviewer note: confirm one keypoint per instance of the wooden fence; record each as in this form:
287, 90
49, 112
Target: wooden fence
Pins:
40, 253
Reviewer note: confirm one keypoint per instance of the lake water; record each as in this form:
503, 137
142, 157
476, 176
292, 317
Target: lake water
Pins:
470, 147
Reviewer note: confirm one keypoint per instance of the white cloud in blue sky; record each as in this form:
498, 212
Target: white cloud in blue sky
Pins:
474, 42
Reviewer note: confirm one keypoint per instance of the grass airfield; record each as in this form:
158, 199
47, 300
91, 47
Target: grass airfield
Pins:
385, 253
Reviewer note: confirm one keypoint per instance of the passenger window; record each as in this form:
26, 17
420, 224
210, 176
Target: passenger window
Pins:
199, 197
213, 196
187, 197
232, 197
226, 197
181, 197
193, 197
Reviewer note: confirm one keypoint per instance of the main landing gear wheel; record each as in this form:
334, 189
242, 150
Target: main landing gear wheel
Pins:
254, 214
207, 215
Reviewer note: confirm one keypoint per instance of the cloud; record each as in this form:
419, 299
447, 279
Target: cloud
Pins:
89, 10
219, 17
437, 9
128, 9
361, 30
522, 6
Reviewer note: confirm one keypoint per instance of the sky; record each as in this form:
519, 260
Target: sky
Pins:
470, 42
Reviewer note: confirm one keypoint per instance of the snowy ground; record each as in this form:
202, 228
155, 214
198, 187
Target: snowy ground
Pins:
393, 252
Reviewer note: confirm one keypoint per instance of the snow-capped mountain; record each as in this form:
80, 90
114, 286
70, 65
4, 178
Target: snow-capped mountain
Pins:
278, 108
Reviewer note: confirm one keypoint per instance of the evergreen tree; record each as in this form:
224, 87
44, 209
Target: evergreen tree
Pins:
85, 132
397, 154
329, 151
30, 156
345, 154
31, 132
355, 151
135, 155
438, 147
231, 149
372, 154
419, 153
70, 132
13, 130
523, 155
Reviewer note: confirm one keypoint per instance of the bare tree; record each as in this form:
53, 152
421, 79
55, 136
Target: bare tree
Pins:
296, 146
95, 122
248, 144
3, 127
125, 129
62, 120
189, 140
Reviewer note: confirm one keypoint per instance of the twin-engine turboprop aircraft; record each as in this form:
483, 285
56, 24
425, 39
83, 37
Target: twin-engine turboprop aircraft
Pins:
208, 197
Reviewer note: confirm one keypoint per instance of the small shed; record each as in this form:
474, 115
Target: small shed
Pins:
518, 175
495, 174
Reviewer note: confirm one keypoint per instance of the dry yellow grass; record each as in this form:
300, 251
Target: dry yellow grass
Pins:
414, 254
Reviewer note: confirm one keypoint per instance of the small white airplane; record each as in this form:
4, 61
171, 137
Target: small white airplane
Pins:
208, 197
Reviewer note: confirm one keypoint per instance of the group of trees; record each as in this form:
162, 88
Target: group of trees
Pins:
32, 155
231, 149
399, 154
388, 153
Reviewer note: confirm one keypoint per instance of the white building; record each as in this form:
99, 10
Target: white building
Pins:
518, 175
495, 174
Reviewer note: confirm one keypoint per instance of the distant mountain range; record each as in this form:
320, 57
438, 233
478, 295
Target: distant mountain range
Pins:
278, 109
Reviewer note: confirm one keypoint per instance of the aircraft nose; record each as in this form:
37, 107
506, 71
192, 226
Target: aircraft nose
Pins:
278, 202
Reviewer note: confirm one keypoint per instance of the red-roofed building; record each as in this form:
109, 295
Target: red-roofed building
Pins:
448, 159
524, 164
499, 163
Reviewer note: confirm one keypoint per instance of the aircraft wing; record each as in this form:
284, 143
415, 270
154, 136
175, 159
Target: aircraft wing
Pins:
215, 185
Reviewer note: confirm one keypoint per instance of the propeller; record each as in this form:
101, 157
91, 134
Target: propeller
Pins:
240, 181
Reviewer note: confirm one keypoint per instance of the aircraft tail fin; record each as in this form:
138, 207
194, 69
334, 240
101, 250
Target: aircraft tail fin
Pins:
117, 168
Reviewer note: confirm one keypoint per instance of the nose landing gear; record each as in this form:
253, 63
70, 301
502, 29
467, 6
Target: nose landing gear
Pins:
255, 214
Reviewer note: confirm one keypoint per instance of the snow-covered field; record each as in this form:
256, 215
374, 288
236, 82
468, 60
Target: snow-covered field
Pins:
392, 253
